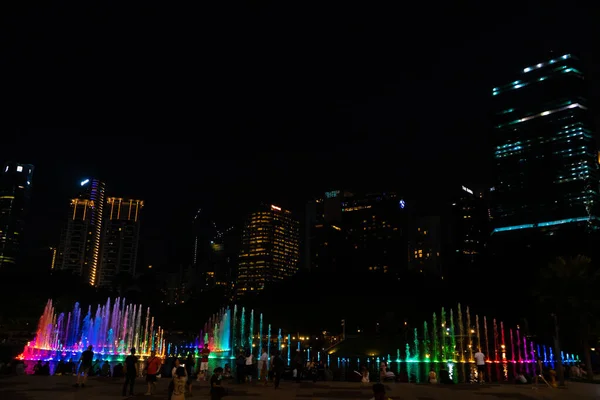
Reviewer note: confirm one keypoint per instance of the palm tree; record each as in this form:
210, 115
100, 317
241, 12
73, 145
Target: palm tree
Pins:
567, 287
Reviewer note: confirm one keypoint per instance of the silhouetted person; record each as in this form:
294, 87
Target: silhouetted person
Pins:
216, 390
46, 369
85, 365
299, 365
278, 368
130, 372
118, 371
105, 371
37, 368
240, 365
190, 362
379, 392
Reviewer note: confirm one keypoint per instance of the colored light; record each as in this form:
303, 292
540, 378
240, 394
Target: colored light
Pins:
112, 331
85, 182
542, 114
543, 224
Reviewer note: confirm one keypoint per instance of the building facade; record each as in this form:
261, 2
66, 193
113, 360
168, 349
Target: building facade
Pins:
425, 246
352, 232
81, 239
15, 196
470, 225
270, 249
225, 250
120, 240
545, 152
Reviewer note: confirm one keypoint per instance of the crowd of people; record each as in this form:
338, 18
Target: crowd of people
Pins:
268, 368
183, 372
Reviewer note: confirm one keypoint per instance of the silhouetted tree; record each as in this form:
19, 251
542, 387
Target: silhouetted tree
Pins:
567, 288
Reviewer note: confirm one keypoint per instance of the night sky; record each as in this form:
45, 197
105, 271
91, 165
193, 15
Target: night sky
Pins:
219, 109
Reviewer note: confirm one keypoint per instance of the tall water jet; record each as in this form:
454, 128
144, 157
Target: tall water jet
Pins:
227, 331
289, 342
452, 337
495, 339
260, 335
470, 333
251, 334
233, 328
503, 345
512, 345
443, 336
242, 328
486, 337
416, 350
269, 342
477, 332
519, 346
426, 346
461, 335
279, 337
434, 336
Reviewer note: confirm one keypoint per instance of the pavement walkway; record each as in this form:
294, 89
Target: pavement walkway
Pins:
60, 387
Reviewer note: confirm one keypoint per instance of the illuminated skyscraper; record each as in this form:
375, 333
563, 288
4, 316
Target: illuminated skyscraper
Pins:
546, 153
354, 232
120, 240
270, 249
80, 244
15, 194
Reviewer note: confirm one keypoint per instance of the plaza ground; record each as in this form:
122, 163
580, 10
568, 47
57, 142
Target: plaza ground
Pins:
60, 387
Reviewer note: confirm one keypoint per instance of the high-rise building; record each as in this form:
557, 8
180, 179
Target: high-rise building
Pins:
80, 244
121, 238
426, 246
545, 151
270, 249
357, 232
224, 253
470, 226
204, 231
15, 195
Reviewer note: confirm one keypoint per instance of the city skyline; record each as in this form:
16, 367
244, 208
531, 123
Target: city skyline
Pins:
407, 115
373, 179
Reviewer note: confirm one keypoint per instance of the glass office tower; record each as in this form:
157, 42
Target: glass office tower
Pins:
546, 153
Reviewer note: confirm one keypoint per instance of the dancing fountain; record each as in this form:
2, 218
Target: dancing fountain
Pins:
455, 340
450, 341
112, 331
227, 332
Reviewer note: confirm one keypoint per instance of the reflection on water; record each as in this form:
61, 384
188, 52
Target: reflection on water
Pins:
418, 372
410, 372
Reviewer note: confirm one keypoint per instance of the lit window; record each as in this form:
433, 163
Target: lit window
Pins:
19, 168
